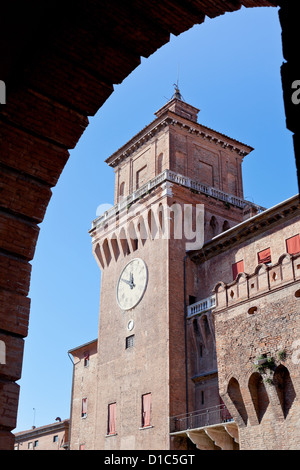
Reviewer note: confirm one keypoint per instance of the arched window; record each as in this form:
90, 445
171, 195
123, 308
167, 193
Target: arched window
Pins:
214, 225
122, 190
226, 226
160, 160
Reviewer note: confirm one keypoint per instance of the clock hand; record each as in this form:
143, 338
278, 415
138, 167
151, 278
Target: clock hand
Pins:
130, 283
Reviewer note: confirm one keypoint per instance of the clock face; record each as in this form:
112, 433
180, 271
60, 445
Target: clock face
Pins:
132, 284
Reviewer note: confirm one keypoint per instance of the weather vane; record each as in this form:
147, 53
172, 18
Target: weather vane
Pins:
177, 93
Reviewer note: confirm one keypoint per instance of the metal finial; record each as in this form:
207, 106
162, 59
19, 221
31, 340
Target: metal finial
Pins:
177, 93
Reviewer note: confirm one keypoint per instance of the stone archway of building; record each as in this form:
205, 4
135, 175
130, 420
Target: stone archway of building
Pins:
59, 63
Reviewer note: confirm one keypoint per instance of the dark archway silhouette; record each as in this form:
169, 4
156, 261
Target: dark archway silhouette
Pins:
234, 393
60, 64
259, 395
284, 388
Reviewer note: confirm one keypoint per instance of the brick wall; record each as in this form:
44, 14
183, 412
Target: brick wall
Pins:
257, 315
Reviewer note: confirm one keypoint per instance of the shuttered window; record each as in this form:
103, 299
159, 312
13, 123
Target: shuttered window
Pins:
146, 410
293, 245
237, 268
111, 421
264, 256
84, 408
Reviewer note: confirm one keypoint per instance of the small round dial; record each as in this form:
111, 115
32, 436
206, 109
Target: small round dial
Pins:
132, 284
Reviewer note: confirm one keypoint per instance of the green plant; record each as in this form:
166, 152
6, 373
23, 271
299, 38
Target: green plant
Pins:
264, 363
281, 355
269, 381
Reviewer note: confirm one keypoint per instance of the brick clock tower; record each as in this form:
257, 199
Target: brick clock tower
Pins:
177, 184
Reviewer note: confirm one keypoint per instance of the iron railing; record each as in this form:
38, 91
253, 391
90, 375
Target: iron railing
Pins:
201, 418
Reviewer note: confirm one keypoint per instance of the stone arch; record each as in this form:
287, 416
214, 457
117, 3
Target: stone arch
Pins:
124, 242
98, 255
175, 218
132, 237
235, 395
221, 294
242, 285
107, 252
286, 264
152, 223
142, 230
284, 388
37, 134
259, 396
261, 276
115, 246
225, 226
212, 227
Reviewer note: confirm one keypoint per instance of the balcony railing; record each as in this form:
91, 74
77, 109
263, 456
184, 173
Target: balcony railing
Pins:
201, 306
200, 419
173, 177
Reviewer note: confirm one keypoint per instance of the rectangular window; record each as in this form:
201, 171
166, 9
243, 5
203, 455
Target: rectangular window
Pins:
111, 421
293, 245
36, 443
86, 360
84, 408
237, 268
146, 410
129, 341
264, 256
55, 438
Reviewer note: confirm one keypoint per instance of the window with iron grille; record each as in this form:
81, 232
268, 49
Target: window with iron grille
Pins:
129, 341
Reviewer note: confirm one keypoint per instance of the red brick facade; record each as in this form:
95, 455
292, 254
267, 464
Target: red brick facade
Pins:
67, 75
183, 360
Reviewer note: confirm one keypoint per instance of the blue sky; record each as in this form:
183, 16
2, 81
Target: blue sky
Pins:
229, 67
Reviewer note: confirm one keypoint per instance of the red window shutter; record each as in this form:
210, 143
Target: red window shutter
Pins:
237, 268
112, 418
264, 256
146, 410
293, 245
84, 407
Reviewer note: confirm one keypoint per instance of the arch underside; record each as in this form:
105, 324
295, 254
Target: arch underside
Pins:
60, 65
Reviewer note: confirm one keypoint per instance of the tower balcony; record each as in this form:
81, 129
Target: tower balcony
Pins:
201, 306
209, 429
173, 177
